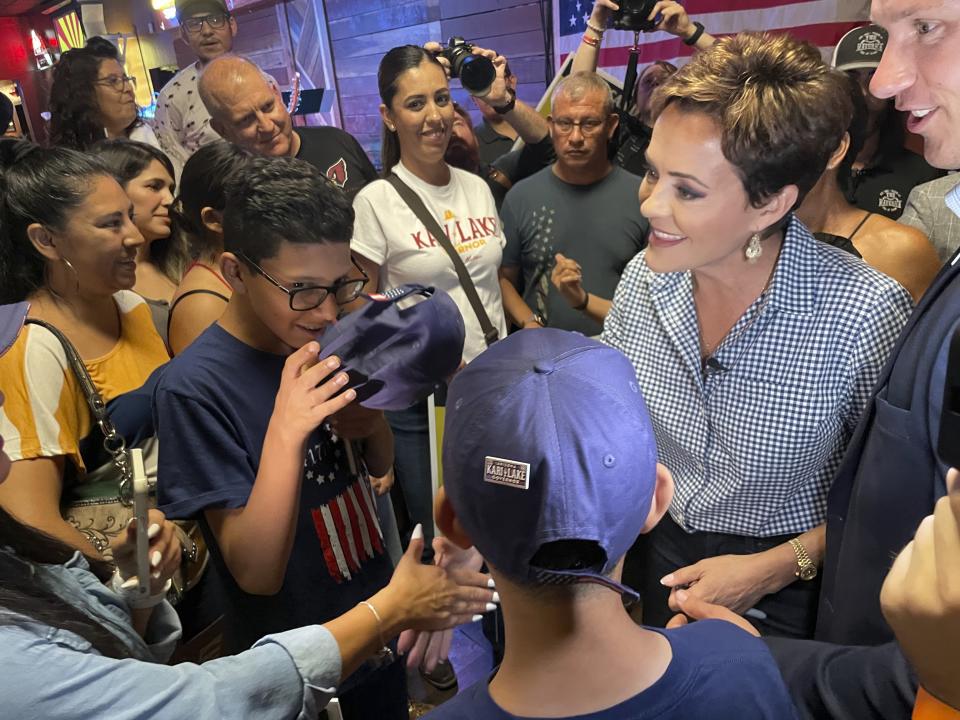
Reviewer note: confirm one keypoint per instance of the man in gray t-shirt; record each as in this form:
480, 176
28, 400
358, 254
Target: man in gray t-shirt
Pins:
576, 222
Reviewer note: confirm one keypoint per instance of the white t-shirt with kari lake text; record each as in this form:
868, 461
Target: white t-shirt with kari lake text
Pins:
388, 233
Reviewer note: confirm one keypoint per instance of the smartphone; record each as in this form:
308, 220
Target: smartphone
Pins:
141, 498
948, 443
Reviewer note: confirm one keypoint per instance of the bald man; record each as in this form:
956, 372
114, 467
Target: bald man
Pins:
247, 111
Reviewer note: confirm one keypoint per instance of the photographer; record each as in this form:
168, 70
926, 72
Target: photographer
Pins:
636, 128
463, 150
394, 244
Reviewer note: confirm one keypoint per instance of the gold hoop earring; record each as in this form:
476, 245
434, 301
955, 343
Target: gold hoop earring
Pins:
753, 249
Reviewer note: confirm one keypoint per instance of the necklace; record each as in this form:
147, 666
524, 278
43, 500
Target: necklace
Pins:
728, 339
710, 350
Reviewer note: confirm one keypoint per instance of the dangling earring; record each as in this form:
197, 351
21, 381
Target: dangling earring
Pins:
754, 249
76, 275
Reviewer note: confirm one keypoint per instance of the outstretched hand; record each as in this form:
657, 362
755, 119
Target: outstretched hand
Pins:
693, 608
426, 649
736, 582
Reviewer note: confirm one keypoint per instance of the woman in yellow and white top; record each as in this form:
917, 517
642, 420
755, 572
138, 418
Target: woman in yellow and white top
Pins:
68, 247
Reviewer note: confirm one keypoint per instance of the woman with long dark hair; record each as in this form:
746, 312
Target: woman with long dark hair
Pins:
74, 643
92, 98
146, 174
203, 293
394, 247
68, 247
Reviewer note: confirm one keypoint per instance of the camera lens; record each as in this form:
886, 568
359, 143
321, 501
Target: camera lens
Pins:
476, 73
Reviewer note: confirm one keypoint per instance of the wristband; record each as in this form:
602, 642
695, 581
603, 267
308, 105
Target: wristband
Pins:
599, 32
511, 103
692, 40
583, 306
591, 41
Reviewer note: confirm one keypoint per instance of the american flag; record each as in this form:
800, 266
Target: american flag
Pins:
822, 22
349, 530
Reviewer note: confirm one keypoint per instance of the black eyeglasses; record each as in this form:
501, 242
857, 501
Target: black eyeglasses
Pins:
588, 127
117, 82
195, 24
307, 297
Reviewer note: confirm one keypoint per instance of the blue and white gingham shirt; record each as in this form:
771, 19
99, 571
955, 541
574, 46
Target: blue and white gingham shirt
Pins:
753, 447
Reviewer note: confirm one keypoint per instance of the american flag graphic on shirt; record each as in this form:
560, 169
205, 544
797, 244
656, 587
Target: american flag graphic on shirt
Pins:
821, 22
342, 507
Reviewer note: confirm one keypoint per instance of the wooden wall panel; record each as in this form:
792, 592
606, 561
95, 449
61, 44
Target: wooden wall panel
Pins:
361, 31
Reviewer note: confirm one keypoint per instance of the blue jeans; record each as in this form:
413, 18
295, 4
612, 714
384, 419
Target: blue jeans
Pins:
412, 466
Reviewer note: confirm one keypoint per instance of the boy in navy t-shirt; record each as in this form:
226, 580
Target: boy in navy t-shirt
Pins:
244, 418
549, 466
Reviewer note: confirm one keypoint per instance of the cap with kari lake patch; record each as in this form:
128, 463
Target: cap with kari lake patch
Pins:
546, 439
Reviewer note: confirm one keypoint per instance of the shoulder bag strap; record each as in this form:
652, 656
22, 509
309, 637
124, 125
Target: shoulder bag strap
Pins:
413, 201
113, 442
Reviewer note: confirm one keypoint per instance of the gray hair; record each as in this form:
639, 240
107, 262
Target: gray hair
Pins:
583, 83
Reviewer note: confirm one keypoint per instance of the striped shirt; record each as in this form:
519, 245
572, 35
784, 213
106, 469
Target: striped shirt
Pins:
754, 441
45, 413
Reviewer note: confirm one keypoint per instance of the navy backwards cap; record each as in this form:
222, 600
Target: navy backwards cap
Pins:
396, 356
12, 318
547, 438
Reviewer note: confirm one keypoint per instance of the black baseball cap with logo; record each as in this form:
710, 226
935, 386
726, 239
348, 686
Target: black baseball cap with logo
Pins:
188, 8
861, 48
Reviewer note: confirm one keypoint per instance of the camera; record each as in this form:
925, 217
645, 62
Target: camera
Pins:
633, 15
476, 73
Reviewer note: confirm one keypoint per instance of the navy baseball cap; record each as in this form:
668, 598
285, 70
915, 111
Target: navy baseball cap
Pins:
395, 356
861, 48
547, 438
12, 318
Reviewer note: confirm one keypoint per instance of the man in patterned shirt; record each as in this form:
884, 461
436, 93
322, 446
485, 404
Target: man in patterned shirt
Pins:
182, 123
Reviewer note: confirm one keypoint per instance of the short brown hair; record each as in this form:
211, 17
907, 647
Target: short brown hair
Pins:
780, 109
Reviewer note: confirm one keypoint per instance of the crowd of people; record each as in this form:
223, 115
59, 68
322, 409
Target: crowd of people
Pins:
693, 460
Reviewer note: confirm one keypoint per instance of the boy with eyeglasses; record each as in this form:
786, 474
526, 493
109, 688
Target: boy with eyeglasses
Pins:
259, 443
